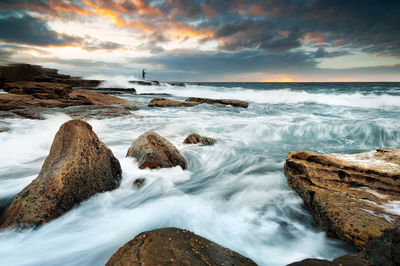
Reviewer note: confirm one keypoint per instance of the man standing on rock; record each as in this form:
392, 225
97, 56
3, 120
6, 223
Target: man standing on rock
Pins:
144, 74
2, 81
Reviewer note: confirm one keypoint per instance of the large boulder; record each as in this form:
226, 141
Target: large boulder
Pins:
197, 139
153, 151
163, 102
78, 166
234, 103
350, 196
173, 246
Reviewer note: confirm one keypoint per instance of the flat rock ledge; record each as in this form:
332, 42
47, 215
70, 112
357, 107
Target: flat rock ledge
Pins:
234, 103
350, 196
190, 102
153, 151
78, 166
174, 246
197, 139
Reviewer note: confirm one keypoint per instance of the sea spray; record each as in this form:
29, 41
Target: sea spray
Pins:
233, 193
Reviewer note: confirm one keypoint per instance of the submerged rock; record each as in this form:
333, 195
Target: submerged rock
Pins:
153, 151
348, 195
173, 246
163, 102
234, 103
138, 183
114, 90
78, 166
145, 82
197, 139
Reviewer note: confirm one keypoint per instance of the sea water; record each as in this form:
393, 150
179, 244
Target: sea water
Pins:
233, 193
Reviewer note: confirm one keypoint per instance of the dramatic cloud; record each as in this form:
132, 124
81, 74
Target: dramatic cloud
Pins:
22, 28
207, 37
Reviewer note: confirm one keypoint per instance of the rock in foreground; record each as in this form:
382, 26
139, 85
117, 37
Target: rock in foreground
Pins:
234, 103
350, 196
346, 260
385, 250
173, 246
153, 151
197, 139
78, 166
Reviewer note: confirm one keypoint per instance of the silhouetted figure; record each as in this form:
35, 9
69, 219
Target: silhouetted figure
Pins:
144, 74
2, 81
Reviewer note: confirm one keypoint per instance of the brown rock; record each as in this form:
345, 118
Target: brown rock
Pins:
9, 101
26, 72
97, 98
41, 90
28, 115
173, 246
234, 103
357, 259
197, 139
78, 166
163, 102
347, 194
153, 151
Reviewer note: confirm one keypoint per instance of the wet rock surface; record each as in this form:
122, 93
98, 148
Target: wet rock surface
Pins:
153, 151
78, 166
350, 196
27, 72
197, 139
163, 102
173, 246
234, 103
40, 90
113, 90
346, 260
385, 250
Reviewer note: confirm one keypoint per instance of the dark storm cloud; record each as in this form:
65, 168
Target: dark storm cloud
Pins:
256, 34
25, 29
322, 53
206, 63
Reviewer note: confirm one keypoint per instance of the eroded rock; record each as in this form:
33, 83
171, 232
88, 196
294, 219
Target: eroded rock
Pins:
40, 90
153, 151
163, 102
173, 246
78, 166
385, 250
234, 103
197, 139
348, 195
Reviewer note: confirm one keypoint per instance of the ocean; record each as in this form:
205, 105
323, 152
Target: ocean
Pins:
233, 193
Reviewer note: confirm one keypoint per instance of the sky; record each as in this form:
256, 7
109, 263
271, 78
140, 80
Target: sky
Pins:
207, 40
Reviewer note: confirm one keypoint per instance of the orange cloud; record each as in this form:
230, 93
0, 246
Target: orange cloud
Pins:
314, 37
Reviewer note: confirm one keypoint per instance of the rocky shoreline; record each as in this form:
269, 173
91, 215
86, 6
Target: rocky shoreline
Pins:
349, 195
